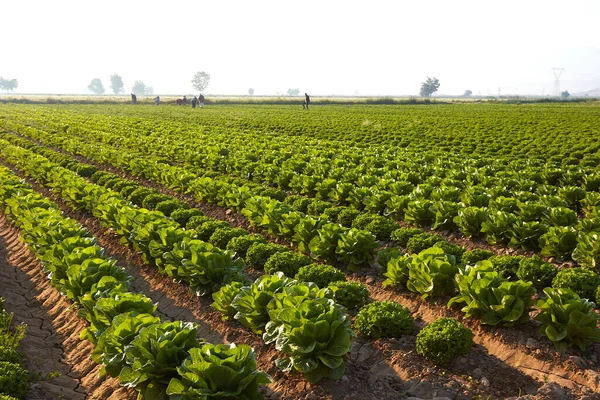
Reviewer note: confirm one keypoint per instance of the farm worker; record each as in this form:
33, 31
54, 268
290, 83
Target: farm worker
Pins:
157, 100
133, 98
184, 100
306, 101
201, 100
194, 102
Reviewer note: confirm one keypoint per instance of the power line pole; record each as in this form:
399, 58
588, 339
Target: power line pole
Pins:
557, 73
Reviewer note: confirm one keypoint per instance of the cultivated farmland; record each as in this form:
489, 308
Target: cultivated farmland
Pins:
345, 252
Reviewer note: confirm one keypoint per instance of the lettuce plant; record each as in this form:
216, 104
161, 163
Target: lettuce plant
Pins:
321, 275
351, 295
559, 241
218, 371
587, 252
491, 298
567, 320
384, 319
431, 273
443, 340
356, 248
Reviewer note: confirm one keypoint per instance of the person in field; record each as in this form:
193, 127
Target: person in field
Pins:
157, 100
194, 102
201, 100
306, 101
184, 100
133, 98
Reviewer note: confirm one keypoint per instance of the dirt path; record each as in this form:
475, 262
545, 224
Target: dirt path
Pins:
51, 342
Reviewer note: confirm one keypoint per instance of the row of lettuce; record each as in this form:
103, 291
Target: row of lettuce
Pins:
420, 273
157, 359
314, 337
545, 222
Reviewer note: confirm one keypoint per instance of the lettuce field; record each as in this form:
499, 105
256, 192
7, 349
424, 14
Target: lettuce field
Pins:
439, 251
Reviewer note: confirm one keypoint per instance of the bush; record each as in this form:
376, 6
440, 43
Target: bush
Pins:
443, 340
383, 319
196, 221
347, 216
362, 220
582, 281
287, 262
137, 196
206, 230
321, 275
14, 380
241, 244
221, 237
351, 295
472, 257
506, 266
168, 206
401, 236
422, 241
382, 228
151, 201
182, 215
536, 270
259, 253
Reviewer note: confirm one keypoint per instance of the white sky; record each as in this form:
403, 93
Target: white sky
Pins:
323, 47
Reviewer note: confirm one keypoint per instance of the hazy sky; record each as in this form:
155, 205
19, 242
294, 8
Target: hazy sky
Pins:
369, 47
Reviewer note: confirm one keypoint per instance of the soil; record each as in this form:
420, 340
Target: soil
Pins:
505, 362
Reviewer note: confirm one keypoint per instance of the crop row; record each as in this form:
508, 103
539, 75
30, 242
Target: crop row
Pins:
123, 326
178, 254
323, 240
535, 209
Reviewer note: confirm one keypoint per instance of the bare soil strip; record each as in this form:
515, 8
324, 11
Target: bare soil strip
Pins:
51, 342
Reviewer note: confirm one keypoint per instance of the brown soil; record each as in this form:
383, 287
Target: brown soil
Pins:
51, 342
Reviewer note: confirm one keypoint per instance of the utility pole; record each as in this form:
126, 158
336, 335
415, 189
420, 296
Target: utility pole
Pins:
557, 73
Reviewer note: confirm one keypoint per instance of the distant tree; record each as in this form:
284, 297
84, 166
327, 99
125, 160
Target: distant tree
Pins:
8, 84
293, 92
250, 91
468, 93
116, 84
565, 94
138, 88
149, 90
96, 86
200, 81
429, 87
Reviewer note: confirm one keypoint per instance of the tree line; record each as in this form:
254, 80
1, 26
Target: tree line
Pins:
199, 83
